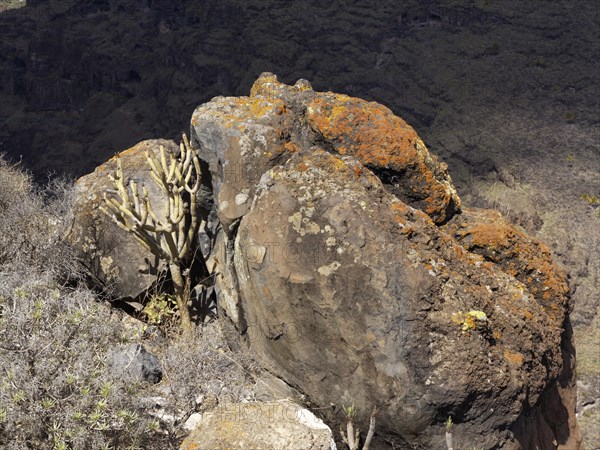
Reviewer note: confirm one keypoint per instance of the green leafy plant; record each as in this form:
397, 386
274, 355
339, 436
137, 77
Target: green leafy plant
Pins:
159, 309
170, 238
591, 199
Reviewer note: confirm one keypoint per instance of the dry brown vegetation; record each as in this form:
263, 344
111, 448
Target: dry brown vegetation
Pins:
57, 390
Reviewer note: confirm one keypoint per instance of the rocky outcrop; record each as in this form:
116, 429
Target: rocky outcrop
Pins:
487, 233
114, 259
504, 92
241, 138
333, 264
344, 259
260, 425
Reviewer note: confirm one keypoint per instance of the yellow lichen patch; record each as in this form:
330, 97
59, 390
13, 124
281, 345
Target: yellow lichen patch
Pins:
265, 85
239, 112
469, 321
458, 318
258, 108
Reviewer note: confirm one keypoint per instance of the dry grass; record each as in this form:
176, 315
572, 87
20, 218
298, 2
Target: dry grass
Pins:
57, 390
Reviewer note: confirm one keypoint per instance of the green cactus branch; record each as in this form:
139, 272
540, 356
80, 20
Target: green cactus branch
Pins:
170, 238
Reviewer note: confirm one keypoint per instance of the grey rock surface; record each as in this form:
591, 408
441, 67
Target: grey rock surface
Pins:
112, 256
134, 363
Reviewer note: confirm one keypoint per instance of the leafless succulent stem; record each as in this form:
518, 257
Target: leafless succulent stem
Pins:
170, 238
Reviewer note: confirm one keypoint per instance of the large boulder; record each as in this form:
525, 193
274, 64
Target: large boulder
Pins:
113, 257
260, 425
355, 297
242, 137
337, 270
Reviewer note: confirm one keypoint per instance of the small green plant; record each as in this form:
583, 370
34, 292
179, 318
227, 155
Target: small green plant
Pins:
449, 425
350, 412
105, 389
18, 397
38, 310
449, 438
159, 309
48, 403
21, 293
591, 199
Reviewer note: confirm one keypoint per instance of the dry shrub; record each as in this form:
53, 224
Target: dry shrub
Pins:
200, 366
33, 222
56, 389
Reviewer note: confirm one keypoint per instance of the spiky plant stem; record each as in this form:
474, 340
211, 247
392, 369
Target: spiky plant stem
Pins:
170, 238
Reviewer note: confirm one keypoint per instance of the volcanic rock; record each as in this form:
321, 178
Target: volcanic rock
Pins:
338, 273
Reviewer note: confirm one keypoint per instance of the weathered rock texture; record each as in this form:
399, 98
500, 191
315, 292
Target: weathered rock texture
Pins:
114, 258
334, 265
134, 363
260, 425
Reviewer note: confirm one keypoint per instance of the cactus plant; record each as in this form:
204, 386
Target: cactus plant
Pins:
352, 437
170, 238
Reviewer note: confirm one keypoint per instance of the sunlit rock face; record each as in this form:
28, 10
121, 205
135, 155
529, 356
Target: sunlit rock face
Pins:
346, 261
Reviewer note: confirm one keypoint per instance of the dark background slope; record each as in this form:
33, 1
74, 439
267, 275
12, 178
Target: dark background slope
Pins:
506, 92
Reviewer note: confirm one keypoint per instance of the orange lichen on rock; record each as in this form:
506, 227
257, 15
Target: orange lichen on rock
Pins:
514, 359
487, 233
291, 147
384, 142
